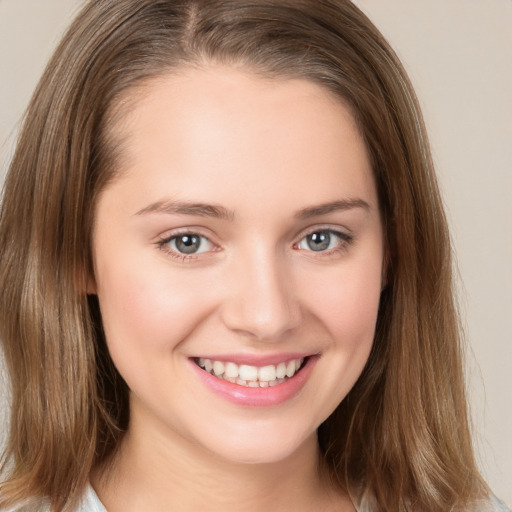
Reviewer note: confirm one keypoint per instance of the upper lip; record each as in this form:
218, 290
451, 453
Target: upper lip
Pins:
255, 359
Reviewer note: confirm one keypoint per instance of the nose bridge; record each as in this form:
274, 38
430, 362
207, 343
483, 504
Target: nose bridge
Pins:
261, 302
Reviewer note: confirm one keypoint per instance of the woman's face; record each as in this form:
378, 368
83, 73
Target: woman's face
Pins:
238, 261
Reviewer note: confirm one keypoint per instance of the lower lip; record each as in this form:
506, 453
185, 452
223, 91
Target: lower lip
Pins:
257, 397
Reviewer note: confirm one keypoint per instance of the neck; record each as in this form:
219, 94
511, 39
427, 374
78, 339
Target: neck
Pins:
163, 471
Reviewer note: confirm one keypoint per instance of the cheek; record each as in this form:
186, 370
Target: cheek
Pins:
143, 307
347, 302
348, 313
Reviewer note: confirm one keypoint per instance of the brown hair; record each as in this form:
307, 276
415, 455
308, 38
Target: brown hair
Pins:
401, 437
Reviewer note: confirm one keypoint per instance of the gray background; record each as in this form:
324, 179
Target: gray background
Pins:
459, 56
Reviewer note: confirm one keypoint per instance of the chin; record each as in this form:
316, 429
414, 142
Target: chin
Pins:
262, 448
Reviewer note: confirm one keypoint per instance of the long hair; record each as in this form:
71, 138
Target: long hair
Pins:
400, 439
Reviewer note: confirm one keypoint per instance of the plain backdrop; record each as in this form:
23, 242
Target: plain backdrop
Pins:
459, 56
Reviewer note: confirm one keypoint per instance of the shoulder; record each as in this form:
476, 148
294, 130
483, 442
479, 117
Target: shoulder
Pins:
491, 504
28, 506
89, 502
498, 505
25, 507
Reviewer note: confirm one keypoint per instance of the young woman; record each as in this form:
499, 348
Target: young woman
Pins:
226, 272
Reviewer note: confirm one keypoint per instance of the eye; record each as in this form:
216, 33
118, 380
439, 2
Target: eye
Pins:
324, 240
187, 244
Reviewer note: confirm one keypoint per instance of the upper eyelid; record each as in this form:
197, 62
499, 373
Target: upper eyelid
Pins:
173, 233
333, 229
196, 230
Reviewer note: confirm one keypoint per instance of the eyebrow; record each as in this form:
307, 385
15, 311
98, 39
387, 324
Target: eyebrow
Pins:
334, 206
188, 208
219, 212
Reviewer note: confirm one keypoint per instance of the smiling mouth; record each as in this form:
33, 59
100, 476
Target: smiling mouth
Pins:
252, 376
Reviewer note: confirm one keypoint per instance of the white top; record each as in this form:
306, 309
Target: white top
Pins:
90, 502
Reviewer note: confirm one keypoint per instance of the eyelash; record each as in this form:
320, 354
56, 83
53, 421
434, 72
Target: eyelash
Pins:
345, 240
163, 245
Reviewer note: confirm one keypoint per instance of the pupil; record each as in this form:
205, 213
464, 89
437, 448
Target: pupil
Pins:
187, 244
319, 241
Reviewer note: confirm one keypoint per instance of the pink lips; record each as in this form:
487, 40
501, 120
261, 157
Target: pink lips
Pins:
257, 397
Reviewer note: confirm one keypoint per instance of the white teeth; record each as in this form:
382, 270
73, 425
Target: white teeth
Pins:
267, 373
290, 369
218, 368
281, 370
231, 370
251, 376
248, 372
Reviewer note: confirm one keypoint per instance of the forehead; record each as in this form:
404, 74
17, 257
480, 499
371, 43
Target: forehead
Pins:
199, 126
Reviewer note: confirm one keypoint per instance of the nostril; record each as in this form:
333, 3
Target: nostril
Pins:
265, 322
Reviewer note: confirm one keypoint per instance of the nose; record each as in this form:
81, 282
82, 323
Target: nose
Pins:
260, 302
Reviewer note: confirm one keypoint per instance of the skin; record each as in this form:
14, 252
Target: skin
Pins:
262, 150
